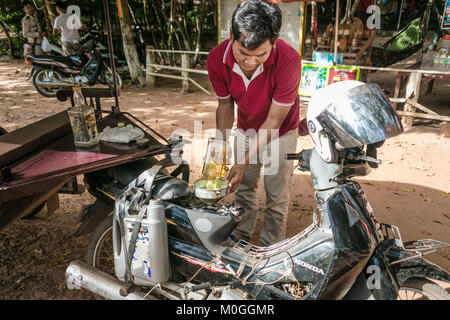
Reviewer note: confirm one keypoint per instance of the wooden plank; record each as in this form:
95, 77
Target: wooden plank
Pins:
176, 51
421, 107
445, 129
412, 93
398, 83
150, 59
177, 68
406, 71
16, 144
184, 74
423, 115
198, 85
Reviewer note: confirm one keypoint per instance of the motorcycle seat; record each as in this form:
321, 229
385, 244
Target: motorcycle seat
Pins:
68, 60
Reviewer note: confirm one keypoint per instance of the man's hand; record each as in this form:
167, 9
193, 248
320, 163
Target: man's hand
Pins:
235, 177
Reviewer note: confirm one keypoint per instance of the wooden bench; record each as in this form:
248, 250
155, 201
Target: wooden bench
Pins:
16, 144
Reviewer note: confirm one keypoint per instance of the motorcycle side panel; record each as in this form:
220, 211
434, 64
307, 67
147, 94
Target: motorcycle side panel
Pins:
179, 225
375, 282
187, 260
353, 240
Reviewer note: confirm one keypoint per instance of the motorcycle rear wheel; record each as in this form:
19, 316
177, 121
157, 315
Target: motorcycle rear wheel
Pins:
100, 251
43, 73
422, 289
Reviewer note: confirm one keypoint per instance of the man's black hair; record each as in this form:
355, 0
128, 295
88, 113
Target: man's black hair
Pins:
61, 5
258, 21
25, 3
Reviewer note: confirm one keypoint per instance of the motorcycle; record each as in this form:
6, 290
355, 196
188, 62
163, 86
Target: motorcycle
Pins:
52, 73
94, 33
160, 241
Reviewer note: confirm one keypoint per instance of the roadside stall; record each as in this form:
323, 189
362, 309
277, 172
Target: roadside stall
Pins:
346, 52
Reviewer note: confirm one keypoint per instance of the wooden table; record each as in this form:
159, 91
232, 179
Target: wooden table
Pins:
414, 81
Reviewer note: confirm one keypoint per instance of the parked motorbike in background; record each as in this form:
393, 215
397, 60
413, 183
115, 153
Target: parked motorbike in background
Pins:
94, 32
159, 241
51, 72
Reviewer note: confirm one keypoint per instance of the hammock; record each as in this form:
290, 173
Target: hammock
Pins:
405, 43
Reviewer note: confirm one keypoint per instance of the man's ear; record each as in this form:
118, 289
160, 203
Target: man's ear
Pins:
231, 35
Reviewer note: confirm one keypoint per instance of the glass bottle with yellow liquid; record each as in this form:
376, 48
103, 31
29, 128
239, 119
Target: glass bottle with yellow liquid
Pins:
82, 121
216, 159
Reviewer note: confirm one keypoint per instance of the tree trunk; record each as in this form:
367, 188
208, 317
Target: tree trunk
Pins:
129, 46
347, 11
181, 24
200, 27
49, 15
353, 10
10, 42
151, 30
159, 13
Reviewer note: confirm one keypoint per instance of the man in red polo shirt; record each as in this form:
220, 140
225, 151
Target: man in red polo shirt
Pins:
260, 73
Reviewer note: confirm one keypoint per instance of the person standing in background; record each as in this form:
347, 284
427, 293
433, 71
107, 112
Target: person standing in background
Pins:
32, 31
70, 40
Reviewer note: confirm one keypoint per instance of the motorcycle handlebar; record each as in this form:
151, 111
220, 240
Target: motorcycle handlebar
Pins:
303, 158
291, 156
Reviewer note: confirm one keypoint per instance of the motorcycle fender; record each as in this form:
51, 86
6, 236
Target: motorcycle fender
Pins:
376, 282
33, 70
91, 216
415, 268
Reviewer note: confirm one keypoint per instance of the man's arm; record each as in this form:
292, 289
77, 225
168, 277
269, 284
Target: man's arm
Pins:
274, 120
225, 116
56, 28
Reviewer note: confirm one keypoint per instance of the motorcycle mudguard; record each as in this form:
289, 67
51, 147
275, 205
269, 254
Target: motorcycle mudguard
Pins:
414, 268
33, 70
376, 282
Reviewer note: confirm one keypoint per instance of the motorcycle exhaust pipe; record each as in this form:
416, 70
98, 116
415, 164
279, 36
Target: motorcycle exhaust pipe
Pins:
81, 275
47, 84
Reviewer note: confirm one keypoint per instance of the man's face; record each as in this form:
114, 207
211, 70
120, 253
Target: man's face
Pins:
29, 9
249, 60
59, 10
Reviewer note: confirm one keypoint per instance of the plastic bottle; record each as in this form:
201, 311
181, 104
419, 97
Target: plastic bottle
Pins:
215, 160
83, 122
158, 241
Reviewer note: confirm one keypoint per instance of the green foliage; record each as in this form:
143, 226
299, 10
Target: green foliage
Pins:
180, 33
11, 13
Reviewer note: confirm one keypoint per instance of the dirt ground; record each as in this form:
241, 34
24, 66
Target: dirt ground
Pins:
410, 189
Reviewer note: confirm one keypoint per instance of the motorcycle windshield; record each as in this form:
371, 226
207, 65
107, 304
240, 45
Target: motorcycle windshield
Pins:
359, 116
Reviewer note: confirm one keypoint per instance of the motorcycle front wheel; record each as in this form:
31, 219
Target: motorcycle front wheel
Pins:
422, 289
42, 75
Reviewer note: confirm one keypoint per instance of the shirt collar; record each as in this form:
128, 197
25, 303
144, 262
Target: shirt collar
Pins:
228, 57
